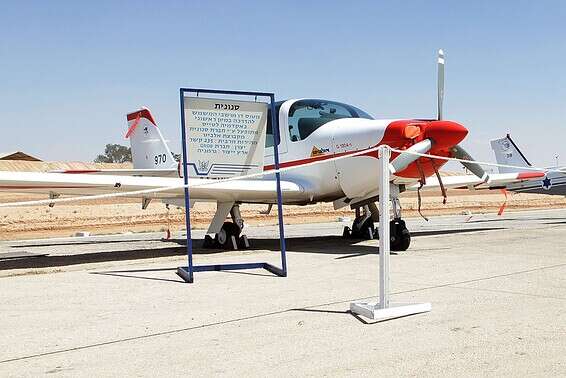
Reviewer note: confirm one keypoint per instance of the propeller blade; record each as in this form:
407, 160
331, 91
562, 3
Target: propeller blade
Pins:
440, 87
406, 158
459, 153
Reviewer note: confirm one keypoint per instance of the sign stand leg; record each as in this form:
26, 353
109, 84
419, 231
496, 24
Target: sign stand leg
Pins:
186, 274
282, 244
384, 309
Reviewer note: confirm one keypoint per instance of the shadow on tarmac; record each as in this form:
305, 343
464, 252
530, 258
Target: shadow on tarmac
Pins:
335, 245
510, 219
91, 242
348, 312
555, 223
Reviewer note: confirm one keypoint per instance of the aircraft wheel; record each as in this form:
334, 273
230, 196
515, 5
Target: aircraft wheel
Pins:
224, 238
208, 242
363, 231
400, 235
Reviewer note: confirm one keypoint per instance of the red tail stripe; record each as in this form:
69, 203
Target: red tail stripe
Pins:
133, 127
136, 116
143, 113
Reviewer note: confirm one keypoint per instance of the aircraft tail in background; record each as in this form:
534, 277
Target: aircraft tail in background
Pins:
149, 149
507, 153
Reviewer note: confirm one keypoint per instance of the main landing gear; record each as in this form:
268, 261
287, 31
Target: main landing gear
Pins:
230, 235
363, 226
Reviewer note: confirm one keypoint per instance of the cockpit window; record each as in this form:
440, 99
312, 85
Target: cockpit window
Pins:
361, 113
305, 116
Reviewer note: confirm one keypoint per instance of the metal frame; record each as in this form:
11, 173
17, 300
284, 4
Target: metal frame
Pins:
384, 309
186, 273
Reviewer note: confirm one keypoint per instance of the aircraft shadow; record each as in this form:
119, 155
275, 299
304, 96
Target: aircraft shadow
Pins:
86, 242
336, 245
50, 261
510, 219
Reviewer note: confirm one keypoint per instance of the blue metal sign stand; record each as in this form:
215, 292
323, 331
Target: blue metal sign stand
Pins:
186, 273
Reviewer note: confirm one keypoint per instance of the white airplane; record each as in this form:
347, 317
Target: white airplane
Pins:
508, 153
311, 130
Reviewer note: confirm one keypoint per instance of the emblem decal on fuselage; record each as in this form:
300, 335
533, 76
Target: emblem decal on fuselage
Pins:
546, 183
319, 151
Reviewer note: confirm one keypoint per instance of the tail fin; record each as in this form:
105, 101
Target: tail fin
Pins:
149, 149
507, 153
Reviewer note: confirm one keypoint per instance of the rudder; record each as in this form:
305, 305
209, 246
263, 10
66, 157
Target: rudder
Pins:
149, 149
507, 153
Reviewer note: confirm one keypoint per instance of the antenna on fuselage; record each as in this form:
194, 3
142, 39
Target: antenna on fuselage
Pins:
440, 83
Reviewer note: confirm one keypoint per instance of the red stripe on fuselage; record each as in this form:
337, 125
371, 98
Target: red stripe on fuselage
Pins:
312, 159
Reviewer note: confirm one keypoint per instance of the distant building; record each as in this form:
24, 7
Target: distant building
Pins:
17, 155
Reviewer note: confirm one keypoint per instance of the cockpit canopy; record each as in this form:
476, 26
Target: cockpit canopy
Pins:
306, 116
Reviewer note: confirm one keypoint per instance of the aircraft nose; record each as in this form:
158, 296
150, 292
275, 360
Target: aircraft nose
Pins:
445, 134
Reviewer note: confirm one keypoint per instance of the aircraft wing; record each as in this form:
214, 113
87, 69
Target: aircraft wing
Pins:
472, 182
54, 184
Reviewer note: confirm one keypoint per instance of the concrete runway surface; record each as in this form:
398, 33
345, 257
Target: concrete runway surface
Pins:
113, 305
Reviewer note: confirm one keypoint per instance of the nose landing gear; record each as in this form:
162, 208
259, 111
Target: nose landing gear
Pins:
400, 235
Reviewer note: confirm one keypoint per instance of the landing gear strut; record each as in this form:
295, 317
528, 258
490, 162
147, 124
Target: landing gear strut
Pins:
363, 226
230, 235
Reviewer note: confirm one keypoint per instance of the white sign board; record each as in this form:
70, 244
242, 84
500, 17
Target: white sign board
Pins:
225, 138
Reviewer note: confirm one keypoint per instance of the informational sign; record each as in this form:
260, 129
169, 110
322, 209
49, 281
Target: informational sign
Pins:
225, 138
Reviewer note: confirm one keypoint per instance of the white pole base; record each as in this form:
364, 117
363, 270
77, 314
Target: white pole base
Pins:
395, 310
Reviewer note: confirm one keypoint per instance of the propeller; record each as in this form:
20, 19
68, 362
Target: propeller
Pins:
440, 83
459, 153
407, 158
443, 134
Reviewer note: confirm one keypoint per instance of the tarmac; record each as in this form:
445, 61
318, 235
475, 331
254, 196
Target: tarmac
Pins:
113, 305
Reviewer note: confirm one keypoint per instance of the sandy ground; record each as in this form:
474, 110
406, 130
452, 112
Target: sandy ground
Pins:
125, 215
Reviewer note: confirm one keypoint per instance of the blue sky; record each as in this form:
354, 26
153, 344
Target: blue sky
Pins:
71, 70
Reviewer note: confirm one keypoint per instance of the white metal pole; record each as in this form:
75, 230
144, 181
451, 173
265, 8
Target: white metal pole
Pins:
384, 154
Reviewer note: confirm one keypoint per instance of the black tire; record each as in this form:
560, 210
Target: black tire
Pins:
208, 242
400, 235
224, 238
362, 232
